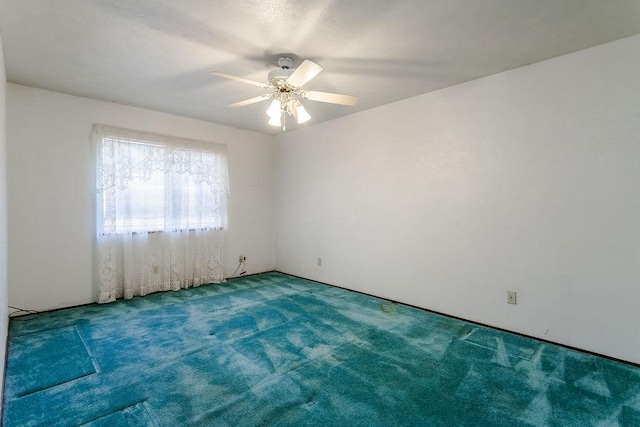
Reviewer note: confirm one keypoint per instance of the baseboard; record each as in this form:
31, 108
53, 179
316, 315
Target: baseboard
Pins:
593, 353
615, 359
38, 313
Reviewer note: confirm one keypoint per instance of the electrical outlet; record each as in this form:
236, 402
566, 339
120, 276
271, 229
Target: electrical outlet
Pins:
319, 261
511, 297
242, 258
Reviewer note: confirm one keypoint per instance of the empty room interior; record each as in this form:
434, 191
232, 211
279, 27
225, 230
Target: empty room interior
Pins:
266, 212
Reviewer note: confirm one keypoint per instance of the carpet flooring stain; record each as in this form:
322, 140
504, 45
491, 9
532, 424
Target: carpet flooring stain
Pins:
272, 349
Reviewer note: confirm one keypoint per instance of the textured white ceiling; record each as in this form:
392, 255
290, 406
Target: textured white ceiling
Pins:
158, 54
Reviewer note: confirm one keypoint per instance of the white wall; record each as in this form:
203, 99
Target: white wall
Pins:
3, 224
526, 180
50, 184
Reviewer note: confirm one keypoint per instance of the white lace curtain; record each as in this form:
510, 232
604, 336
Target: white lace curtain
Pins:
161, 212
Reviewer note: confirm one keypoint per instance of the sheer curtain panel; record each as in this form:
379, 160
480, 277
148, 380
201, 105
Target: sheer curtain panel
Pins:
161, 212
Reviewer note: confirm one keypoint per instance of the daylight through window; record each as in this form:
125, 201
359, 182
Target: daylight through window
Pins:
150, 183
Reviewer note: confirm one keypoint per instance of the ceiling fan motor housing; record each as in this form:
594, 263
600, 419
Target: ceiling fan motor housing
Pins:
279, 76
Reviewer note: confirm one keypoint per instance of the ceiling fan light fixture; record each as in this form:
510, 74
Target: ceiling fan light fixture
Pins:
302, 115
286, 85
275, 121
274, 110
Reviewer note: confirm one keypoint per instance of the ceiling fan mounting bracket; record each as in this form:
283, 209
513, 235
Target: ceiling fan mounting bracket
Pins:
285, 62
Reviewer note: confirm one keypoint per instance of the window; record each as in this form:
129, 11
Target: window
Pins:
150, 183
161, 211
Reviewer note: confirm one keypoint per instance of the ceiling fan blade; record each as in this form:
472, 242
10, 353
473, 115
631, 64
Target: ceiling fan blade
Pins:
333, 98
305, 72
250, 101
240, 79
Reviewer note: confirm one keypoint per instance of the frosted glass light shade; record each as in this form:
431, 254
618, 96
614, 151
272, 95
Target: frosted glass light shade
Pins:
303, 116
275, 121
274, 109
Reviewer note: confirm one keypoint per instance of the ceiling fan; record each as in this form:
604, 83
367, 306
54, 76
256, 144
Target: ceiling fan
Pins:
285, 84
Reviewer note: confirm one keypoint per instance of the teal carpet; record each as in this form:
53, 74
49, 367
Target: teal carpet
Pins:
271, 349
